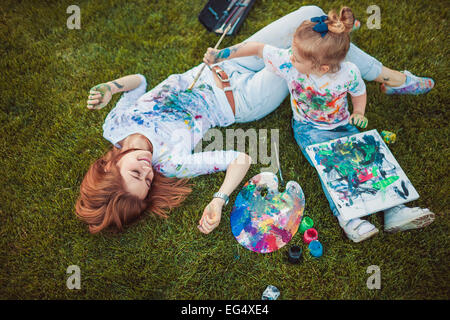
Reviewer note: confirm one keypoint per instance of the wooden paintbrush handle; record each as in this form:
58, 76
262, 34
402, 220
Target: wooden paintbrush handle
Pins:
204, 65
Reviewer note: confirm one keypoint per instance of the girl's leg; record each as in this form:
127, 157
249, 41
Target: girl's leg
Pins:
305, 135
279, 34
401, 218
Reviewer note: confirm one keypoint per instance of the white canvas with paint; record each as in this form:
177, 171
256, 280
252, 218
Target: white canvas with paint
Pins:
361, 174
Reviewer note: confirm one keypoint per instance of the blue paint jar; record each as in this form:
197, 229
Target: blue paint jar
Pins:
315, 248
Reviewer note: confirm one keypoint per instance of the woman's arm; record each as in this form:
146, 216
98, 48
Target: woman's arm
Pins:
242, 49
126, 83
101, 94
235, 173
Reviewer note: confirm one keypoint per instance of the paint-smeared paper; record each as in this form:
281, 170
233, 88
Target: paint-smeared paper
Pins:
361, 174
263, 219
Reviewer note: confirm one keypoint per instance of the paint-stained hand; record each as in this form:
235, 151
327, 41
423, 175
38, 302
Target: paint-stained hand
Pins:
99, 96
211, 216
358, 120
211, 56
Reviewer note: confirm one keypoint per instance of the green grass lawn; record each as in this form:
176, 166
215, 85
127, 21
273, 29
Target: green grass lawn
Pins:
49, 139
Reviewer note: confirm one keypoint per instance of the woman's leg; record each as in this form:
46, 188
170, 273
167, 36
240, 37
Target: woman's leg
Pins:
280, 33
257, 94
369, 67
393, 82
391, 77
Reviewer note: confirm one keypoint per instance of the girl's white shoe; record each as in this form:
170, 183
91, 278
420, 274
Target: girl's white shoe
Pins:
401, 218
357, 229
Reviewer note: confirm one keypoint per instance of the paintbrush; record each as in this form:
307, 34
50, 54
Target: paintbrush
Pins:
226, 14
278, 164
204, 64
220, 30
243, 6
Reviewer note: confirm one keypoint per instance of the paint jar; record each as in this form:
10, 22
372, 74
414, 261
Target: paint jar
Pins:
388, 137
307, 223
310, 235
295, 254
315, 248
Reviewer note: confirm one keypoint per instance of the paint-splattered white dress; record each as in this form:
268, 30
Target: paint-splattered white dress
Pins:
174, 121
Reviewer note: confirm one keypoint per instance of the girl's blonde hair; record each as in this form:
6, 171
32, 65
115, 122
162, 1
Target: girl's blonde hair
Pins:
333, 47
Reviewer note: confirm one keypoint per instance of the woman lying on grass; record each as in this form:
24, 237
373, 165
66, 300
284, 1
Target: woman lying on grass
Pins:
153, 133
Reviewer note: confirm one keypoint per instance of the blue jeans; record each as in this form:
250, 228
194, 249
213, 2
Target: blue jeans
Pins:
306, 135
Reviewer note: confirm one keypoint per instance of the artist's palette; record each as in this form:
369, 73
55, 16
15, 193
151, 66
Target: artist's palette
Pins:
264, 219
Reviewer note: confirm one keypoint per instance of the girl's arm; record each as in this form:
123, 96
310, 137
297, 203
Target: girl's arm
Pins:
101, 94
242, 49
235, 173
359, 106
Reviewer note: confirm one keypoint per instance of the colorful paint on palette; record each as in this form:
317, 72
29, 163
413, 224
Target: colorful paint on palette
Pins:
263, 219
361, 174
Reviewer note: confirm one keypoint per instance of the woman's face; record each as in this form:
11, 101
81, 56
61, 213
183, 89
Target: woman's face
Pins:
137, 172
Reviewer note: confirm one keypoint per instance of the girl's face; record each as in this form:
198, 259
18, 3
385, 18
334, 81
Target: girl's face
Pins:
137, 172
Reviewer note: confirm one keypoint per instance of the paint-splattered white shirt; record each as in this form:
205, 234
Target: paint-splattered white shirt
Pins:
174, 120
318, 101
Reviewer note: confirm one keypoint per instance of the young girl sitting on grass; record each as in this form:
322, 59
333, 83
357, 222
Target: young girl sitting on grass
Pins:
319, 79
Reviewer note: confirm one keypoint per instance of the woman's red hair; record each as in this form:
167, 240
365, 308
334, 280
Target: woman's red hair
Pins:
104, 201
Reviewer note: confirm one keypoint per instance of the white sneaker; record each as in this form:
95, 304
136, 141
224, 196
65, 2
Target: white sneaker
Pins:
357, 229
401, 218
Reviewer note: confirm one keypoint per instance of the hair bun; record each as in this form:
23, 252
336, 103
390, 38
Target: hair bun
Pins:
343, 23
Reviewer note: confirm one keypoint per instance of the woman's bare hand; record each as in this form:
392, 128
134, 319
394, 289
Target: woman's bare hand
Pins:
99, 96
211, 216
